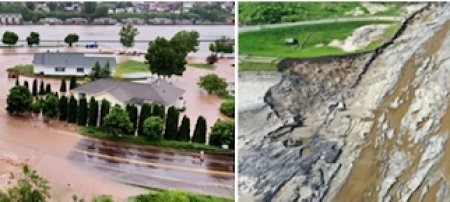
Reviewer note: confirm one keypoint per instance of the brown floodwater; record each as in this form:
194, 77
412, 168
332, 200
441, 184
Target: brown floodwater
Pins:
91, 33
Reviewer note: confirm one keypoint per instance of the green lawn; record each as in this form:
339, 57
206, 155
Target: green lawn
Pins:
131, 66
270, 42
279, 12
202, 65
257, 66
138, 140
22, 69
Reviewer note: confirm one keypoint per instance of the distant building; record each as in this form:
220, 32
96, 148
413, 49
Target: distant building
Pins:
104, 21
10, 19
133, 21
51, 21
160, 21
123, 92
76, 21
68, 64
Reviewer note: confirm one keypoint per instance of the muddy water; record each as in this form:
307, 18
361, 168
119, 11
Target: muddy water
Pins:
58, 32
365, 175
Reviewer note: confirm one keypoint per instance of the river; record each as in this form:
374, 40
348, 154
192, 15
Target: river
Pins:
111, 32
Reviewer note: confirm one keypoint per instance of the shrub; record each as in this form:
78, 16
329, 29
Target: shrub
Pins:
36, 106
227, 108
50, 106
211, 59
117, 122
153, 127
222, 133
19, 100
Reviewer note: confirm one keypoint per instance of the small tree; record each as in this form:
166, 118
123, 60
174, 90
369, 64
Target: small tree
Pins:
72, 110
227, 108
93, 112
200, 131
33, 38
63, 108
212, 83
17, 82
104, 110
146, 111
63, 87
73, 82
25, 83
132, 113
117, 122
50, 106
185, 130
171, 128
153, 127
211, 59
222, 133
82, 111
127, 34
10, 38
35, 87
71, 39
48, 89
19, 100
41, 88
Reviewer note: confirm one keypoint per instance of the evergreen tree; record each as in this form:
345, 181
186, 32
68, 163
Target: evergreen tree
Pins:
72, 110
159, 110
132, 113
17, 82
93, 112
171, 128
48, 89
200, 131
41, 88
185, 130
146, 111
82, 111
63, 108
34, 91
25, 83
73, 82
104, 110
63, 87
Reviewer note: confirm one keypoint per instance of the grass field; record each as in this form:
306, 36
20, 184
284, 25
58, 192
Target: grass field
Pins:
278, 12
257, 66
131, 66
270, 42
201, 65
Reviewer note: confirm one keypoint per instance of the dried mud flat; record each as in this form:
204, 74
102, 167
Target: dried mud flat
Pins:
364, 128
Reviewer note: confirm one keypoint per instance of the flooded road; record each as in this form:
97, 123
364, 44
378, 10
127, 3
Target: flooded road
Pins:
111, 32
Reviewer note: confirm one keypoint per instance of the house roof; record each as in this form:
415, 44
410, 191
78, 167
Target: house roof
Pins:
72, 60
159, 91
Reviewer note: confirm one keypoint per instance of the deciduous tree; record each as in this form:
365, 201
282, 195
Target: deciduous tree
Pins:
19, 100
10, 38
153, 128
222, 133
212, 83
117, 122
71, 39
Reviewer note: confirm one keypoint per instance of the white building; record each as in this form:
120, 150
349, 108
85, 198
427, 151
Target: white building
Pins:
10, 18
67, 64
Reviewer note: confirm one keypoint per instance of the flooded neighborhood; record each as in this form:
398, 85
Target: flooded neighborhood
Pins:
159, 114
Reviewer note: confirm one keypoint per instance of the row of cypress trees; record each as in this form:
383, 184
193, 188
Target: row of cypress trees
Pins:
84, 113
